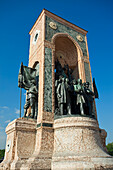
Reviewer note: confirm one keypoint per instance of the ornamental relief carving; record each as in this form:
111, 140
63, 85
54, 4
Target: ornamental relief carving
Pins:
53, 25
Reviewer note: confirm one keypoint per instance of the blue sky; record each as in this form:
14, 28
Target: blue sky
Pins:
17, 18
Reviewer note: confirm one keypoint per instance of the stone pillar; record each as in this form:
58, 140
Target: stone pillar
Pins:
20, 145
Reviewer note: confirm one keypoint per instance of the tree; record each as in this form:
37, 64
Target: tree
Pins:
110, 148
2, 152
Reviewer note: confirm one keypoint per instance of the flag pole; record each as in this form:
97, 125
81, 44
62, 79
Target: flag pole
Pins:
21, 73
20, 100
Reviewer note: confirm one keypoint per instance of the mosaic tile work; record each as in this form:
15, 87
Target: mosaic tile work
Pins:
48, 80
87, 72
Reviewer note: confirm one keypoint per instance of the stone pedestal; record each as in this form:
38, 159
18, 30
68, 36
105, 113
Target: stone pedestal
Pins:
42, 156
78, 145
20, 144
29, 145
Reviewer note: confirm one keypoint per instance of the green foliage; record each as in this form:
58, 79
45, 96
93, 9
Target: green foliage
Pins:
110, 148
2, 152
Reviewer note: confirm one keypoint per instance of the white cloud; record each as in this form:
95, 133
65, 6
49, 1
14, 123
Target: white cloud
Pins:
7, 121
17, 111
4, 107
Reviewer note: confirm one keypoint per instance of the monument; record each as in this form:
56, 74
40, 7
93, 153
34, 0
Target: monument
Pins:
59, 129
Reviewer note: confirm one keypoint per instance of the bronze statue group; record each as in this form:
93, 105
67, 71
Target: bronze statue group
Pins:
72, 97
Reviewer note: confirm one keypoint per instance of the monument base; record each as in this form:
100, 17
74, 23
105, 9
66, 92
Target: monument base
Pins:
20, 144
78, 144
29, 145
42, 156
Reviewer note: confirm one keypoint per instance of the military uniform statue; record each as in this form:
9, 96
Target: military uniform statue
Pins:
31, 100
89, 97
28, 79
71, 96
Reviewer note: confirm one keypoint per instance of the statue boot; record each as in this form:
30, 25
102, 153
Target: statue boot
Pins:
81, 109
32, 113
61, 108
25, 112
69, 110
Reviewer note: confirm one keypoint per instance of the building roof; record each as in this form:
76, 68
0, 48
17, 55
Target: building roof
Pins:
59, 19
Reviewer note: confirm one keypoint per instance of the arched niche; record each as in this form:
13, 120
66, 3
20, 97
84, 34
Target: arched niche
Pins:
66, 54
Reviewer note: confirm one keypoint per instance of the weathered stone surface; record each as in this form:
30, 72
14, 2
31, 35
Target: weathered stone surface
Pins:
78, 145
22, 134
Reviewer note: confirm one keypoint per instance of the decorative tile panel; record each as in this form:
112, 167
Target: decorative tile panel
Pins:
48, 80
87, 72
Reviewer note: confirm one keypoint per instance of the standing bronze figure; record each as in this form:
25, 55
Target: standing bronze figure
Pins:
31, 100
89, 97
79, 90
61, 94
27, 80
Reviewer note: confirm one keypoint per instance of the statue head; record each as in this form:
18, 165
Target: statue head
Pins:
79, 81
87, 84
60, 78
63, 79
73, 81
67, 80
33, 82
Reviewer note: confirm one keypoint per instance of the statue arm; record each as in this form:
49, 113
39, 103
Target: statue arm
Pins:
57, 91
26, 88
56, 83
20, 80
33, 90
78, 90
90, 92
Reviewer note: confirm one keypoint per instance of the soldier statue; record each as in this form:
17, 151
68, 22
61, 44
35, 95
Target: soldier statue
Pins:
89, 97
32, 100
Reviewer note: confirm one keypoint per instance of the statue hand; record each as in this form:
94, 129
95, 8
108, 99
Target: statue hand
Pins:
20, 81
88, 91
81, 91
59, 96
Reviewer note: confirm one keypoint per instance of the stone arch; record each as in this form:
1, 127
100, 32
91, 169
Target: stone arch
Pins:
71, 38
80, 68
